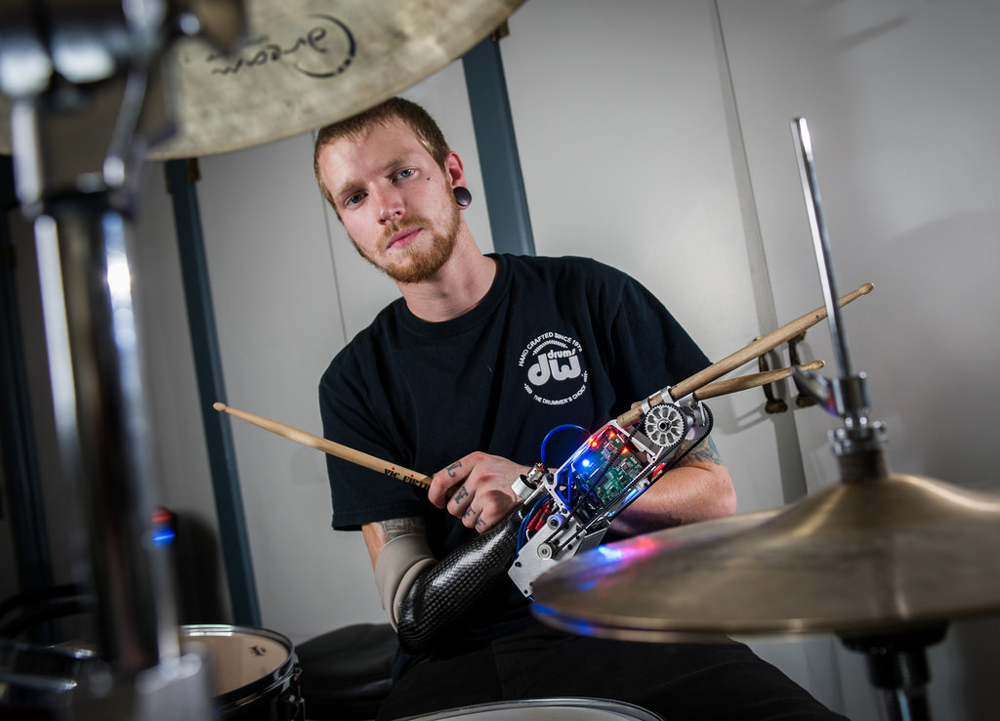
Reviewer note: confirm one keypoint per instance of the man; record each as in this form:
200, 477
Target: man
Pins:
479, 360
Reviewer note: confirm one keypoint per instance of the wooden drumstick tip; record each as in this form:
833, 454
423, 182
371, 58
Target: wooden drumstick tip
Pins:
219, 406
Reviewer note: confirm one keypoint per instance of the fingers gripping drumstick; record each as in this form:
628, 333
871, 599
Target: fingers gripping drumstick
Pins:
334, 449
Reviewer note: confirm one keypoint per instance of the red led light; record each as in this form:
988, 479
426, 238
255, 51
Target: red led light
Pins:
162, 515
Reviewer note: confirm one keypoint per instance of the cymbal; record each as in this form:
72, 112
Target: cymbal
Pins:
883, 553
307, 63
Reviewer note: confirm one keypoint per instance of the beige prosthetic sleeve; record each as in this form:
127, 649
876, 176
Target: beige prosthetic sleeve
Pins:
399, 563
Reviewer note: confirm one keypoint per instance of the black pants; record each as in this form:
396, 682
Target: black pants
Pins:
680, 682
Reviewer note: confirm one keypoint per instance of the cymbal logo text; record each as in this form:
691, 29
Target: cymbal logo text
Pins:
327, 49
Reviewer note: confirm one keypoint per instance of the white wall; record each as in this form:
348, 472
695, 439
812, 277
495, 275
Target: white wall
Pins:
903, 100
653, 136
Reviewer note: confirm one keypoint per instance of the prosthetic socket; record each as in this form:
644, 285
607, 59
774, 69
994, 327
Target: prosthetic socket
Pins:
444, 594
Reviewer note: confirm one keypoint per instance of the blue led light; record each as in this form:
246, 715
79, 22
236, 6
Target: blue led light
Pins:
607, 554
581, 627
163, 536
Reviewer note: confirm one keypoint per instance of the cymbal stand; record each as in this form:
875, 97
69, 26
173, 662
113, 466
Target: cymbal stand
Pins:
897, 661
85, 86
897, 666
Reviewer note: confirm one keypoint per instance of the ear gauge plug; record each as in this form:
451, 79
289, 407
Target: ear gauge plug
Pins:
462, 196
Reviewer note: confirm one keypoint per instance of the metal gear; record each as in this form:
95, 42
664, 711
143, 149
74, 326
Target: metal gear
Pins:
666, 425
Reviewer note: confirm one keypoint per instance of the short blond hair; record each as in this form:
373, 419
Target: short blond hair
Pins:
414, 116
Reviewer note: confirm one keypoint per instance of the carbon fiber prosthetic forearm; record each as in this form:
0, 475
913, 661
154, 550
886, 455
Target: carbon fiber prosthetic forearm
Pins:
445, 594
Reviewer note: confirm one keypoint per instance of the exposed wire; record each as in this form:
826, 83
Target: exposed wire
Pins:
555, 430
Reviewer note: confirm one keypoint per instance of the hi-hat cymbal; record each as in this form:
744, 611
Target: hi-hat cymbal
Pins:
884, 553
307, 63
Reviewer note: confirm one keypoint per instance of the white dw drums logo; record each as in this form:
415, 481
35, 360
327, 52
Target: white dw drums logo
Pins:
554, 371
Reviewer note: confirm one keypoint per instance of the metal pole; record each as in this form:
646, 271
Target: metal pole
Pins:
181, 175
510, 223
25, 505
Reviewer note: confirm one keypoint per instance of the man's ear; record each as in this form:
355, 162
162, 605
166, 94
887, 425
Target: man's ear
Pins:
454, 170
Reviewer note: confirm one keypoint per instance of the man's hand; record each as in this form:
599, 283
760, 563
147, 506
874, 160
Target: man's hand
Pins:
477, 489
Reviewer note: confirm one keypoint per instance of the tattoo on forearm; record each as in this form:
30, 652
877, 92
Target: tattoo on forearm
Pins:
704, 453
395, 527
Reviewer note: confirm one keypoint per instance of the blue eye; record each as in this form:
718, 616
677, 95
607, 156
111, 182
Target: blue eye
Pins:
405, 173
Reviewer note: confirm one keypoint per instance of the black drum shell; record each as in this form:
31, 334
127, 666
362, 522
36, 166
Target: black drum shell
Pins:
254, 671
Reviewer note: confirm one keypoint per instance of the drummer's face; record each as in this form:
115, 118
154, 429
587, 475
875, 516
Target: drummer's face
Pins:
394, 200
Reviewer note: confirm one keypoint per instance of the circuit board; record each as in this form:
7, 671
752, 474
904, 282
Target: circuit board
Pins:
601, 471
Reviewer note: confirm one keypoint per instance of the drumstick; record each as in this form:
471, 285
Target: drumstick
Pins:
691, 385
334, 449
759, 347
731, 385
376, 464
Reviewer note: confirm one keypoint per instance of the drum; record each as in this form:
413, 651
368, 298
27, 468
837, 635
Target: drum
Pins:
254, 672
546, 709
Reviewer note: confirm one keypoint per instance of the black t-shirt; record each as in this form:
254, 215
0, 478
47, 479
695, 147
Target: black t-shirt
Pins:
555, 341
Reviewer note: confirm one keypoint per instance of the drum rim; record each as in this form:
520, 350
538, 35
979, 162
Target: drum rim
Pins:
590, 702
261, 688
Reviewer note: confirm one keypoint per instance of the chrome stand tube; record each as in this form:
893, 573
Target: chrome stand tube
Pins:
86, 99
101, 416
897, 660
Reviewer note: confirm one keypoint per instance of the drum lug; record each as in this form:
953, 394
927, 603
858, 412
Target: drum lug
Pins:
293, 707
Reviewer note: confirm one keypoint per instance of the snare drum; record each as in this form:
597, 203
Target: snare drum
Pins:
546, 709
254, 672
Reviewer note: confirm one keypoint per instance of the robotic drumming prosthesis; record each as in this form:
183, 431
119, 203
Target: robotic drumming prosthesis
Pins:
563, 513
572, 508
